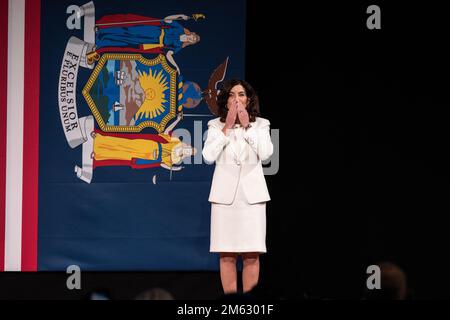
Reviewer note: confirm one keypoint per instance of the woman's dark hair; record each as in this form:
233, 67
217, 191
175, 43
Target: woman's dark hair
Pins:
252, 98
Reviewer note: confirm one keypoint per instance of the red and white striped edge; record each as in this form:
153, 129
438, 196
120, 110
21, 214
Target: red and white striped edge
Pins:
19, 137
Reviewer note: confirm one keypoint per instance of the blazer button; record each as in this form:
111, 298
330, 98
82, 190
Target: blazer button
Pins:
238, 162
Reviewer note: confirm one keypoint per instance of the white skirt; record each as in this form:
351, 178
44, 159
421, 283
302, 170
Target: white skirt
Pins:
239, 227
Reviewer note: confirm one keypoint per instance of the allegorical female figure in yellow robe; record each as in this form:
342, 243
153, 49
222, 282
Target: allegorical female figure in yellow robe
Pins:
143, 150
139, 151
167, 154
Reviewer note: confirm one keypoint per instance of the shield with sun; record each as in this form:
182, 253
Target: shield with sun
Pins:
127, 92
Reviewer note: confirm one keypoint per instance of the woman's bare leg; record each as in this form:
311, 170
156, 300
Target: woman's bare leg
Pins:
250, 272
228, 272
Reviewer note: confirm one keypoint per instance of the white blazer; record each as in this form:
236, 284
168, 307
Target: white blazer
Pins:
238, 160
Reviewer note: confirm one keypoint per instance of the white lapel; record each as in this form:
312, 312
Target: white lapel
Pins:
240, 143
237, 143
234, 143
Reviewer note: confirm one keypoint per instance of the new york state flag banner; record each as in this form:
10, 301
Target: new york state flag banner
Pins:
104, 108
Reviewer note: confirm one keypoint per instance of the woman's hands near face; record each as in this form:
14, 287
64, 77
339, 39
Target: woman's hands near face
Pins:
231, 115
236, 110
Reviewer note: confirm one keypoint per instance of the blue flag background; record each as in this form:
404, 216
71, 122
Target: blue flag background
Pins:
122, 220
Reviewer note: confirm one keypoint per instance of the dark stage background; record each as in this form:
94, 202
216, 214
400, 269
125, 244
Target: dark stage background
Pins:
363, 156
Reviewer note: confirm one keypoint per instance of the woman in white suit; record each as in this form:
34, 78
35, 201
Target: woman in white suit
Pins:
238, 141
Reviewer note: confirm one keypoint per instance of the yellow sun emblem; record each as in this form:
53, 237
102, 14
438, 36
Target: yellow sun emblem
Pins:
154, 86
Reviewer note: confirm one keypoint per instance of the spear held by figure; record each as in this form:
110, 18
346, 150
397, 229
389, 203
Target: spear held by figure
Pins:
168, 19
